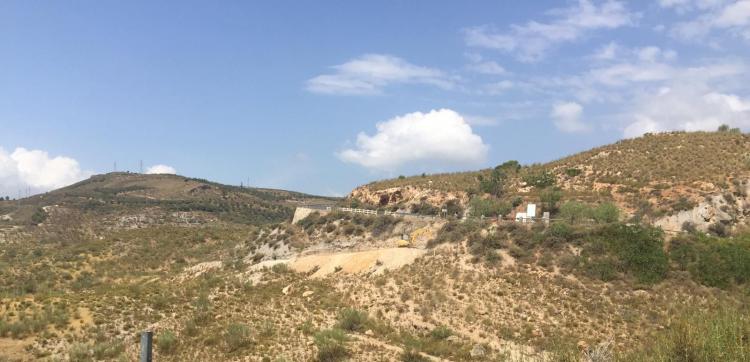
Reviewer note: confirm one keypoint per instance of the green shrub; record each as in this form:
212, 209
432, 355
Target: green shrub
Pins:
383, 225
410, 355
606, 213
550, 198
715, 262
540, 180
237, 336
560, 230
79, 352
484, 246
331, 345
39, 216
574, 212
352, 320
640, 250
453, 208
166, 342
310, 220
634, 250
721, 334
425, 208
573, 172
682, 204
107, 350
488, 207
441, 332
718, 229
454, 231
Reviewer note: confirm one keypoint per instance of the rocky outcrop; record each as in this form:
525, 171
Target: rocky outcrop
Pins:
716, 209
405, 196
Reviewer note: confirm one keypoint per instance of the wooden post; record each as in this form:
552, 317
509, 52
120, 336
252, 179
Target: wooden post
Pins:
146, 339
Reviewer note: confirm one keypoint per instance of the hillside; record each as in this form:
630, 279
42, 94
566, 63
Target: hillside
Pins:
138, 198
220, 273
654, 177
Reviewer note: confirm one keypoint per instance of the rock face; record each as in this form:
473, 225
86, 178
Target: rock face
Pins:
717, 209
406, 196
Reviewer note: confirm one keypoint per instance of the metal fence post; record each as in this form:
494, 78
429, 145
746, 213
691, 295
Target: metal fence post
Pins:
146, 341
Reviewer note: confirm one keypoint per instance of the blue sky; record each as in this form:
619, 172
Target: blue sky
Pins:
323, 96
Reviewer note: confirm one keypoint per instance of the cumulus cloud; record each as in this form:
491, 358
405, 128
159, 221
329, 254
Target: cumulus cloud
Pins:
439, 137
567, 117
371, 73
160, 169
36, 170
532, 40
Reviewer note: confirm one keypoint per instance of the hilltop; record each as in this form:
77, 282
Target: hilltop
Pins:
139, 198
654, 177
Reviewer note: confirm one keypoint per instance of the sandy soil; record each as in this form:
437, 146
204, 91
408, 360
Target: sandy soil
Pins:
373, 261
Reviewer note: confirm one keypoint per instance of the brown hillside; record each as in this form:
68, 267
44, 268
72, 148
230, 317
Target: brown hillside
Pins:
123, 194
653, 176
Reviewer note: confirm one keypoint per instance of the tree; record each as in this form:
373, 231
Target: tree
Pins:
550, 198
510, 166
541, 179
725, 128
606, 213
495, 184
39, 216
574, 212
488, 207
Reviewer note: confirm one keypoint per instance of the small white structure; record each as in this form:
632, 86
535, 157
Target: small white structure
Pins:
545, 217
531, 211
529, 215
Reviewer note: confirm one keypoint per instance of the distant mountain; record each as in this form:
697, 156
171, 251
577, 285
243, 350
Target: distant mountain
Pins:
130, 196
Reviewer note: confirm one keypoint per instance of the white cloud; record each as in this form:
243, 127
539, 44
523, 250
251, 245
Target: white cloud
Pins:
160, 169
689, 107
487, 67
626, 73
370, 73
34, 169
732, 16
736, 14
532, 40
607, 52
441, 137
567, 117
646, 64
476, 120
496, 88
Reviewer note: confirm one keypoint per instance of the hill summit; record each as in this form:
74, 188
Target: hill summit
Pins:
132, 198
673, 178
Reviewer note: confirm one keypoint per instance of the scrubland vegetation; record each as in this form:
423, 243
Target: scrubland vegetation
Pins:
599, 282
